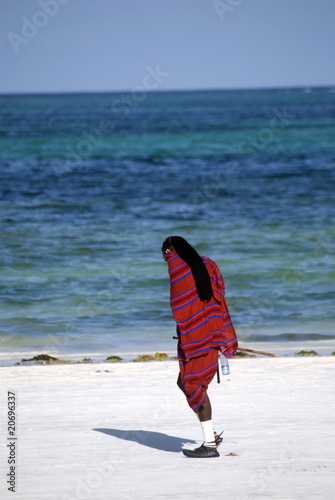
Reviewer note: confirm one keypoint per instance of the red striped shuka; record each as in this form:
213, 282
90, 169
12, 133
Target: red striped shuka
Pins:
203, 327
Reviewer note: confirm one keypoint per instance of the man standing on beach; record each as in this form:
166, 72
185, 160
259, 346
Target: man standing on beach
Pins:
204, 328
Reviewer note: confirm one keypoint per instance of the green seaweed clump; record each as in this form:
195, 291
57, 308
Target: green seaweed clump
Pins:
113, 359
307, 353
160, 356
144, 357
85, 360
45, 359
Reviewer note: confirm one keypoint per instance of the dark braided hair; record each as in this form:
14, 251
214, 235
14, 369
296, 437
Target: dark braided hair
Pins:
195, 262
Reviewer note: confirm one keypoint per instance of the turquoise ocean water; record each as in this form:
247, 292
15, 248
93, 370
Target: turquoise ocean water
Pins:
91, 184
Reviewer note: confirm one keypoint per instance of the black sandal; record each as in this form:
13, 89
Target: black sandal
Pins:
202, 452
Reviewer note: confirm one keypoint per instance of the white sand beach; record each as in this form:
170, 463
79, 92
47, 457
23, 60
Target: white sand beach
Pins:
115, 431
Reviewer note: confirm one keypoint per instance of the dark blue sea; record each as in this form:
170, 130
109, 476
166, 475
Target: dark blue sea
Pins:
91, 184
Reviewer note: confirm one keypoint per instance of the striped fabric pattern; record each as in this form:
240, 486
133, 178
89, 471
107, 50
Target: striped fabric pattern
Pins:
196, 374
200, 325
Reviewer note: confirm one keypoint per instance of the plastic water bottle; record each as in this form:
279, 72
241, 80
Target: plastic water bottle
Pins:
224, 365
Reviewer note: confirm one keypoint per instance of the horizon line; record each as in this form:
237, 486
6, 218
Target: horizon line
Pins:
160, 91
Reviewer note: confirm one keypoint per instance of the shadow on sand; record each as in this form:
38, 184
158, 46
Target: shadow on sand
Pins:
156, 440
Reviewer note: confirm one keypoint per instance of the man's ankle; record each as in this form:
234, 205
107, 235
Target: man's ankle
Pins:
210, 445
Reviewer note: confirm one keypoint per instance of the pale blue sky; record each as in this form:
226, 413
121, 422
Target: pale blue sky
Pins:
108, 45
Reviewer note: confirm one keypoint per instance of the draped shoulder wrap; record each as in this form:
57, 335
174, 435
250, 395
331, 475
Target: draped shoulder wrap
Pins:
201, 325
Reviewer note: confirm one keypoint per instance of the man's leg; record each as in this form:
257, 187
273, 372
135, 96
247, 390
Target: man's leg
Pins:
205, 416
209, 447
179, 384
205, 410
